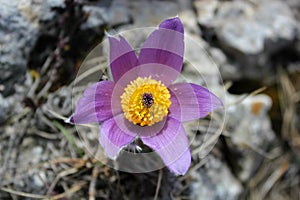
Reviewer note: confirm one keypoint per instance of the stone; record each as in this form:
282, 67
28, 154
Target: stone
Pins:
227, 70
98, 16
45, 12
119, 14
13, 103
17, 36
144, 13
295, 6
214, 181
250, 32
206, 11
39, 179
19, 30
189, 21
4, 109
250, 132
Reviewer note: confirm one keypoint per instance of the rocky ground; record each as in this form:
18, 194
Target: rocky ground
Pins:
255, 45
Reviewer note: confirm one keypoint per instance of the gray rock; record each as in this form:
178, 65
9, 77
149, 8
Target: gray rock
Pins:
17, 36
12, 104
119, 13
45, 12
53, 3
39, 179
227, 70
250, 31
246, 26
145, 13
206, 11
250, 131
295, 6
189, 21
4, 109
19, 26
214, 181
98, 16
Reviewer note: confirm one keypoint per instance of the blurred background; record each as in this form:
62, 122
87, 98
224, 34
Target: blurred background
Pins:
256, 46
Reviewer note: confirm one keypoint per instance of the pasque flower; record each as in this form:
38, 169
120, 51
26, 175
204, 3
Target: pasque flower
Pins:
142, 100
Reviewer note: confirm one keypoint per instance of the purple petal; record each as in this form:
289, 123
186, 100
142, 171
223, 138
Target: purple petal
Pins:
158, 72
191, 102
173, 24
182, 164
155, 71
95, 105
122, 57
173, 146
113, 139
165, 46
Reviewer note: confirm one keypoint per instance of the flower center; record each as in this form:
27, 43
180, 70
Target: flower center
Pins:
145, 101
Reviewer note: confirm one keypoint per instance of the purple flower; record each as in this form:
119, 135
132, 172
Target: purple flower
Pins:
142, 101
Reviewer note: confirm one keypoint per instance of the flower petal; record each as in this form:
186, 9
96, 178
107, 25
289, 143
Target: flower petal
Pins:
173, 24
172, 145
113, 139
191, 102
122, 57
165, 46
95, 105
159, 72
182, 164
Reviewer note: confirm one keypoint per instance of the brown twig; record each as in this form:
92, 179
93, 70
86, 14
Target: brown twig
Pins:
255, 92
92, 186
59, 176
23, 194
273, 179
75, 187
7, 155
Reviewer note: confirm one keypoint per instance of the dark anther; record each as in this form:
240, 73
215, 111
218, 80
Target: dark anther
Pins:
147, 100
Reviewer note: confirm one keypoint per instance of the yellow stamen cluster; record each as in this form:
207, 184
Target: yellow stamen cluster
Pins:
146, 113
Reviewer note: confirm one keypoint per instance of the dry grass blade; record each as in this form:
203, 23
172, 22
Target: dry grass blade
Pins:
75, 187
45, 89
24, 194
77, 163
58, 116
158, 184
273, 179
95, 173
31, 92
197, 166
212, 140
59, 176
7, 155
288, 103
92, 187
269, 155
68, 136
255, 92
